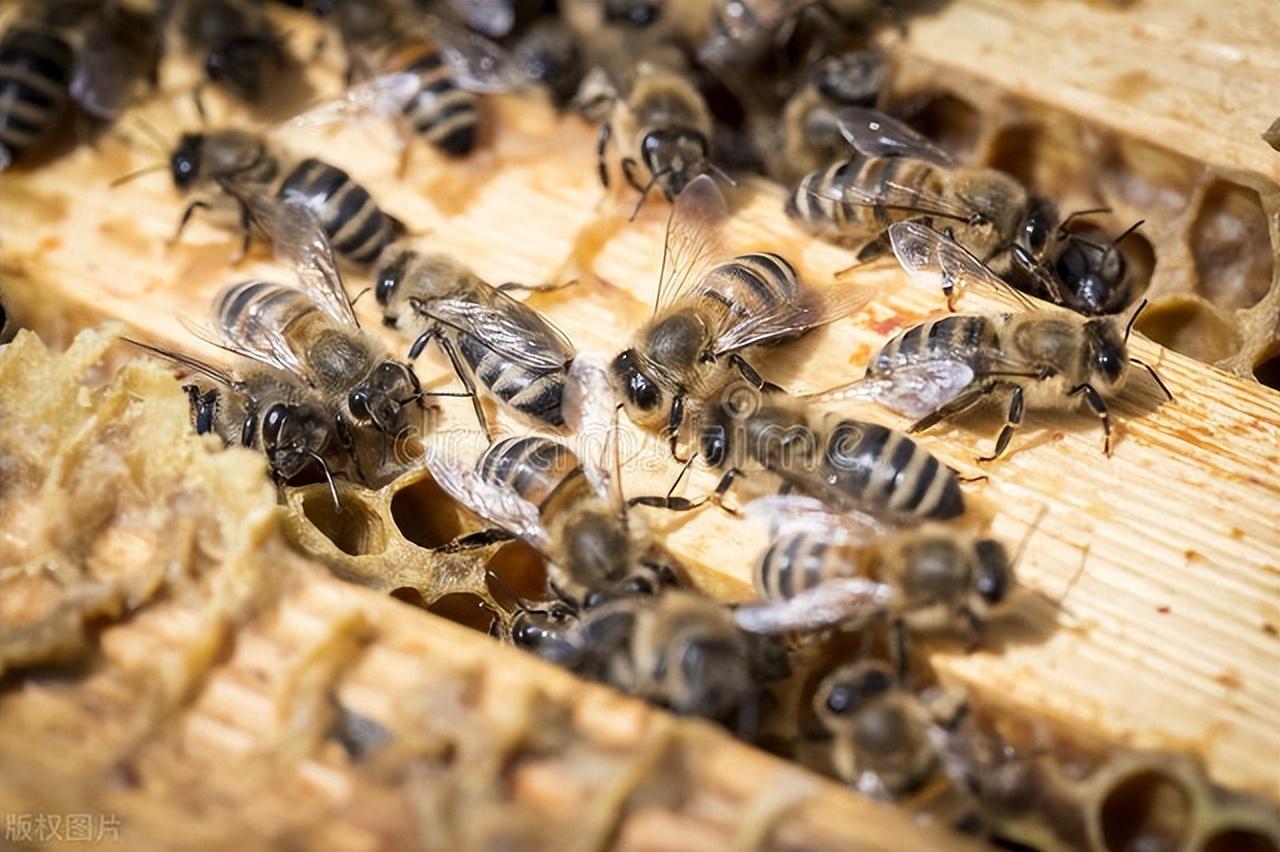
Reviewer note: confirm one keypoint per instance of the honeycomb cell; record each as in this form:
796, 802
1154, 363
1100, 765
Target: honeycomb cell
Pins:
1140, 257
1145, 177
1267, 368
1149, 811
355, 530
466, 609
1045, 157
950, 121
1239, 840
1190, 327
1231, 246
425, 514
517, 569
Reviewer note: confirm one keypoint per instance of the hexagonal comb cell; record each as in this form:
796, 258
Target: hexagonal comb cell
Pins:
1147, 810
1240, 840
1190, 326
951, 121
1231, 246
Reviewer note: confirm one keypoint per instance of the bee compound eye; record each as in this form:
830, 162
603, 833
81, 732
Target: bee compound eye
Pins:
358, 402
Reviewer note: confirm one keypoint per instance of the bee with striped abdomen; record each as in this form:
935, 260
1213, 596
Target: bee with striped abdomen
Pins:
826, 570
708, 312
245, 168
261, 408
312, 333
419, 70
846, 463
568, 508
1039, 358
493, 341
64, 52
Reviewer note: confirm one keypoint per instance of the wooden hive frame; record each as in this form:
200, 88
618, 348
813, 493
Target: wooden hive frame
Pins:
1172, 636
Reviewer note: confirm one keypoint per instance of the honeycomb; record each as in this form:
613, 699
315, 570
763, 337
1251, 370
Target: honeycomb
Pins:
1206, 254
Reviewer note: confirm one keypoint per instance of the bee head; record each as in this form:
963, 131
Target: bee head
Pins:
380, 400
1091, 276
674, 157
1107, 353
641, 395
714, 674
292, 436
994, 573
237, 64
184, 162
848, 690
544, 633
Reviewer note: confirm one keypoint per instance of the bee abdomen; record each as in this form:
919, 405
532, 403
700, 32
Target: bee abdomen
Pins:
793, 563
536, 394
444, 114
535, 468
888, 472
956, 337
765, 281
35, 69
356, 227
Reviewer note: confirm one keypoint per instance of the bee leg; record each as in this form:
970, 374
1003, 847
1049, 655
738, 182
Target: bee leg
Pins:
468, 381
957, 406
1154, 375
722, 488
671, 504
1099, 407
484, 538
749, 373
602, 142
197, 97
629, 167
1011, 423
348, 442
514, 287
186, 217
872, 251
900, 650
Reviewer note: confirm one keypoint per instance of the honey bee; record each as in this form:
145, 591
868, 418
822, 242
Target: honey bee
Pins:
550, 55
237, 46
892, 744
810, 127
661, 128
1071, 270
260, 408
708, 311
1046, 358
743, 33
846, 463
568, 508
311, 332
69, 51
825, 571
419, 70
492, 340
244, 167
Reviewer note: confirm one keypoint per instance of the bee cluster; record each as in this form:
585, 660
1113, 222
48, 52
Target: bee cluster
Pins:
873, 541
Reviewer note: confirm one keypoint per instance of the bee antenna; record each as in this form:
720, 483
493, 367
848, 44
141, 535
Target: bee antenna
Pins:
521, 603
146, 170
358, 295
328, 477
644, 194
1026, 538
1128, 326
1076, 214
720, 173
1128, 232
154, 135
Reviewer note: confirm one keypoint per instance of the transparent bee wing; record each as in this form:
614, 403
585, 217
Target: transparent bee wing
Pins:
383, 96
591, 410
875, 134
300, 241
693, 241
810, 310
252, 336
186, 362
790, 514
509, 327
895, 197
913, 389
478, 64
842, 602
938, 262
499, 506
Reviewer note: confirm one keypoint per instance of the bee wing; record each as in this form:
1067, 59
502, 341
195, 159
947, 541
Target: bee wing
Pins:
252, 337
508, 327
937, 261
913, 389
892, 196
499, 506
478, 64
591, 410
875, 134
187, 362
494, 18
299, 240
810, 310
383, 96
833, 603
693, 241
793, 513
